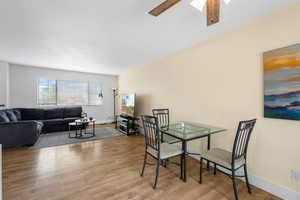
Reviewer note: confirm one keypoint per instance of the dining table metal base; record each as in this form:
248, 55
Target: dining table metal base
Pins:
188, 131
186, 153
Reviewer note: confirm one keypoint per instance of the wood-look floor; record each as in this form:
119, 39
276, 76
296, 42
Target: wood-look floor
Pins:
107, 169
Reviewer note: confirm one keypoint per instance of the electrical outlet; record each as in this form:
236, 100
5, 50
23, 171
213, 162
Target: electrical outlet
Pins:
295, 175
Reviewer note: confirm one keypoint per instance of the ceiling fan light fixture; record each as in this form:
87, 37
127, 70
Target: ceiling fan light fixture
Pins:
198, 4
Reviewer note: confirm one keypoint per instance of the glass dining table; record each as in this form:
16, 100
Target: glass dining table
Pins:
187, 131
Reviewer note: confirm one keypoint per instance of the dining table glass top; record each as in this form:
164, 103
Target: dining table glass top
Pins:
190, 130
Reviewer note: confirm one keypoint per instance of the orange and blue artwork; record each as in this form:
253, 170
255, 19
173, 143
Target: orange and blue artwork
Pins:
282, 83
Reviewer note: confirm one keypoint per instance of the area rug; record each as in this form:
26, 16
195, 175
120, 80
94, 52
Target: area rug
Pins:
62, 138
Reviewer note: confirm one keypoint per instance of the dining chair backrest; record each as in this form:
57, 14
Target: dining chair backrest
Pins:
242, 138
162, 116
151, 132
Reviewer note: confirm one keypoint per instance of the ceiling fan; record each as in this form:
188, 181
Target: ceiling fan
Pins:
213, 8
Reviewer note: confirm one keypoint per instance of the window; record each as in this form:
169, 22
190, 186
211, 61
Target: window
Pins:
72, 93
63, 92
47, 92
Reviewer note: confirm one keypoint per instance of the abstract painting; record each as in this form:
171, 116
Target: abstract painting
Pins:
282, 83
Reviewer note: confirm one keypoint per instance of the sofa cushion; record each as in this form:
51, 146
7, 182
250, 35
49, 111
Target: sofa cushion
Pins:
70, 112
11, 115
3, 117
18, 114
32, 114
54, 125
54, 113
53, 122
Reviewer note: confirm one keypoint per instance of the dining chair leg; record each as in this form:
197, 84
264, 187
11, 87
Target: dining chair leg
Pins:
208, 148
215, 169
163, 163
181, 166
200, 176
166, 162
247, 181
184, 148
234, 185
145, 160
157, 173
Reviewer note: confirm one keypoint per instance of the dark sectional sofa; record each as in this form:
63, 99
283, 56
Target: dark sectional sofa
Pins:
23, 126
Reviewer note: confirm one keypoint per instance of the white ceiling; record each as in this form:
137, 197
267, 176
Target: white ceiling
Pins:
110, 37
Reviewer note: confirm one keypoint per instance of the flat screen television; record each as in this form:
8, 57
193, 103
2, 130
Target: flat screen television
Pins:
127, 104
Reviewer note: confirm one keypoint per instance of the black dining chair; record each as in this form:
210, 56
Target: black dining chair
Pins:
163, 117
232, 160
155, 148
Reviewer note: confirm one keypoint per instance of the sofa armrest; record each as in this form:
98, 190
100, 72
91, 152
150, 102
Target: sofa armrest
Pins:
19, 133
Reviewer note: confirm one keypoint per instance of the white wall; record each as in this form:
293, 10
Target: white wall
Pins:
4, 83
23, 88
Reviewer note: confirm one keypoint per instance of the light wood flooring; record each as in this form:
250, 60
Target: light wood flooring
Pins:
107, 169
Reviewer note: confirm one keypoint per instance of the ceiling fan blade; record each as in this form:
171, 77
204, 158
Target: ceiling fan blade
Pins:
213, 11
163, 7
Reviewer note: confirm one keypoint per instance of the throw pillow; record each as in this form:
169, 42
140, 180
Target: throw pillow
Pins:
17, 114
11, 116
3, 117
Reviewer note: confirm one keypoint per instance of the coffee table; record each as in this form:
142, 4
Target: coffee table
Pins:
81, 129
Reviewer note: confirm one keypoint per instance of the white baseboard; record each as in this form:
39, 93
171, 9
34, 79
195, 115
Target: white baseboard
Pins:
274, 189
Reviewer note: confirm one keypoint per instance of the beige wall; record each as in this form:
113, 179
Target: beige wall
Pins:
220, 82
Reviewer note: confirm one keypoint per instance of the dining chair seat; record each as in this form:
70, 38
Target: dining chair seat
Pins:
223, 158
166, 151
